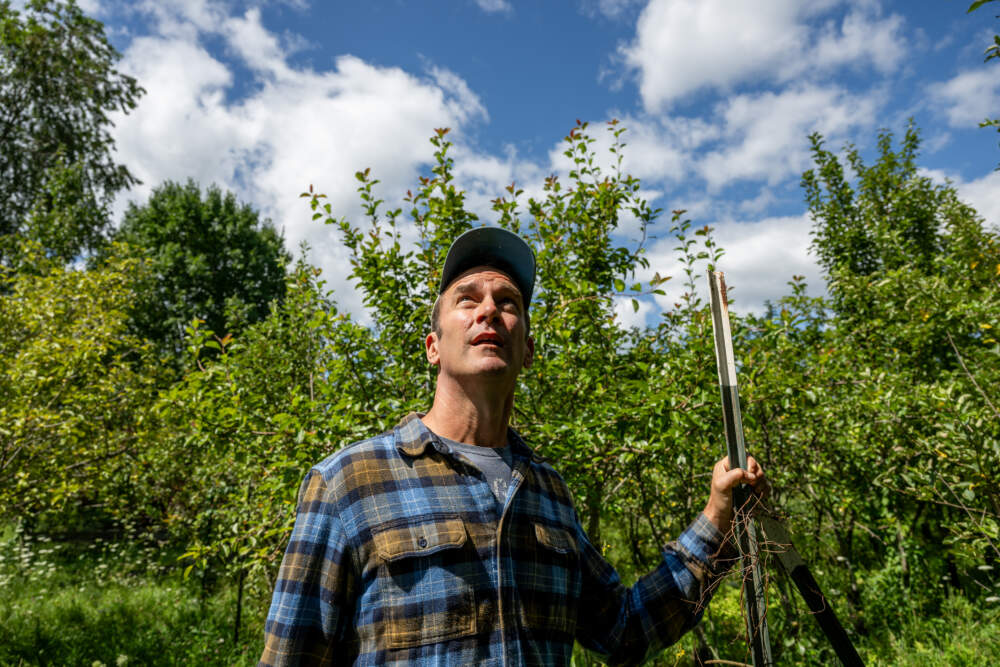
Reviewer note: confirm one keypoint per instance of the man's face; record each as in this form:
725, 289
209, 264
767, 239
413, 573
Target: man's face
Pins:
481, 327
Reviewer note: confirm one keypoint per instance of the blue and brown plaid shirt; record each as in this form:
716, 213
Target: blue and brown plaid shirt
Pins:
399, 556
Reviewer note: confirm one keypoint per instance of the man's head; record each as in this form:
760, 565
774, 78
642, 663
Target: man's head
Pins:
494, 247
480, 317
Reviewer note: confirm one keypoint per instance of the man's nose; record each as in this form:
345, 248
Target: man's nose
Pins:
487, 310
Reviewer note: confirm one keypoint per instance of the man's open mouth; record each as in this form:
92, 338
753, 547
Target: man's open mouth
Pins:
488, 339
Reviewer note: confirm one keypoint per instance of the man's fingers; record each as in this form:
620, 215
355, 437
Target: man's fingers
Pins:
753, 475
731, 478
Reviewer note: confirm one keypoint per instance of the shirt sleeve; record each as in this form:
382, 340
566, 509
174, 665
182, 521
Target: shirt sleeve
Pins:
313, 597
625, 625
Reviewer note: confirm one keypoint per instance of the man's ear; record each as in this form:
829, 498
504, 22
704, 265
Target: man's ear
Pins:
529, 352
431, 348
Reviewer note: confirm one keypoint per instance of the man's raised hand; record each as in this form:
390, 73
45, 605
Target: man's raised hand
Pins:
719, 509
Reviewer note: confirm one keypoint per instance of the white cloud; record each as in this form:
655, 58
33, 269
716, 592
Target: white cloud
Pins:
91, 7
969, 97
860, 39
257, 47
684, 46
760, 258
183, 19
181, 127
765, 133
661, 150
464, 103
627, 315
494, 6
657, 149
295, 126
983, 194
485, 177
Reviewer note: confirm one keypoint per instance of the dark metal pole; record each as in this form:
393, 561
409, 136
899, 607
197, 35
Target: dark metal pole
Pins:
818, 603
746, 532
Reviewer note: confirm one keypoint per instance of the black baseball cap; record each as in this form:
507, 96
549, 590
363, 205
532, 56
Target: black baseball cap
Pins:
496, 247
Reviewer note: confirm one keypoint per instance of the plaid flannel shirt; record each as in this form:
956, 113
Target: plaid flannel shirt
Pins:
399, 556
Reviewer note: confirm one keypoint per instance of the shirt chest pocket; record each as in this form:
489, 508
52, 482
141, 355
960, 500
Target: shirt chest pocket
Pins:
426, 575
549, 581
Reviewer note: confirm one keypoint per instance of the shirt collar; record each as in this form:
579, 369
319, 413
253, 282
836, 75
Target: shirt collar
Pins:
413, 437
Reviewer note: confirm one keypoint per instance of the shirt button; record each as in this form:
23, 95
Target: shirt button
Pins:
422, 542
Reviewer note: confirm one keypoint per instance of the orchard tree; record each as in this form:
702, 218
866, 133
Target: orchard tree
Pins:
212, 259
885, 221
58, 85
73, 388
906, 375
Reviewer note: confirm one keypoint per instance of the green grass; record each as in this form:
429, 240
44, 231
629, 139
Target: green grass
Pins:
74, 605
961, 635
115, 603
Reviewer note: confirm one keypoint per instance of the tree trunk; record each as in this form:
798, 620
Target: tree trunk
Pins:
239, 606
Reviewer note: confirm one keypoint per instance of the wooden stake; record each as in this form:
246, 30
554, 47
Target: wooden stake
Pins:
746, 532
797, 570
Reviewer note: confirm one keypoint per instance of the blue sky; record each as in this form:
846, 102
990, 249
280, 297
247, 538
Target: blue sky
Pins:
719, 96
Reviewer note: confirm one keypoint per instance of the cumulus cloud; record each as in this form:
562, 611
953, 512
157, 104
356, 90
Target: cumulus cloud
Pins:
765, 133
760, 258
658, 149
763, 255
294, 128
967, 98
628, 316
983, 194
181, 127
684, 46
860, 39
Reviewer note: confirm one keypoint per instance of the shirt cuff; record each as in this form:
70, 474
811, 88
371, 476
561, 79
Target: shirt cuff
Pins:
706, 543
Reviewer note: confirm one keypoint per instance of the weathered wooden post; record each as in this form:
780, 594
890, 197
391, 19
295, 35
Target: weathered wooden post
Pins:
746, 531
754, 592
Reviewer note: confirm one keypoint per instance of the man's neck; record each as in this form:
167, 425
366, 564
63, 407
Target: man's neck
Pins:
478, 418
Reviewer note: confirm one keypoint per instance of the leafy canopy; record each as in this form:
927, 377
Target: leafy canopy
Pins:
212, 259
58, 85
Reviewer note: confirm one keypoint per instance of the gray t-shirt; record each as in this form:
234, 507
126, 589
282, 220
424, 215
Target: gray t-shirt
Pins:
497, 464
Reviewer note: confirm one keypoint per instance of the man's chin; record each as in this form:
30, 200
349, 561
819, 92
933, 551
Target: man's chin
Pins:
491, 367
498, 367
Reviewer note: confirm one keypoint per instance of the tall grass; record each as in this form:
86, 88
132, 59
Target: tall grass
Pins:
124, 602
113, 603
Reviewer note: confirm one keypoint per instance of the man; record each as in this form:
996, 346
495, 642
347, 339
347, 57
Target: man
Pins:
448, 541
